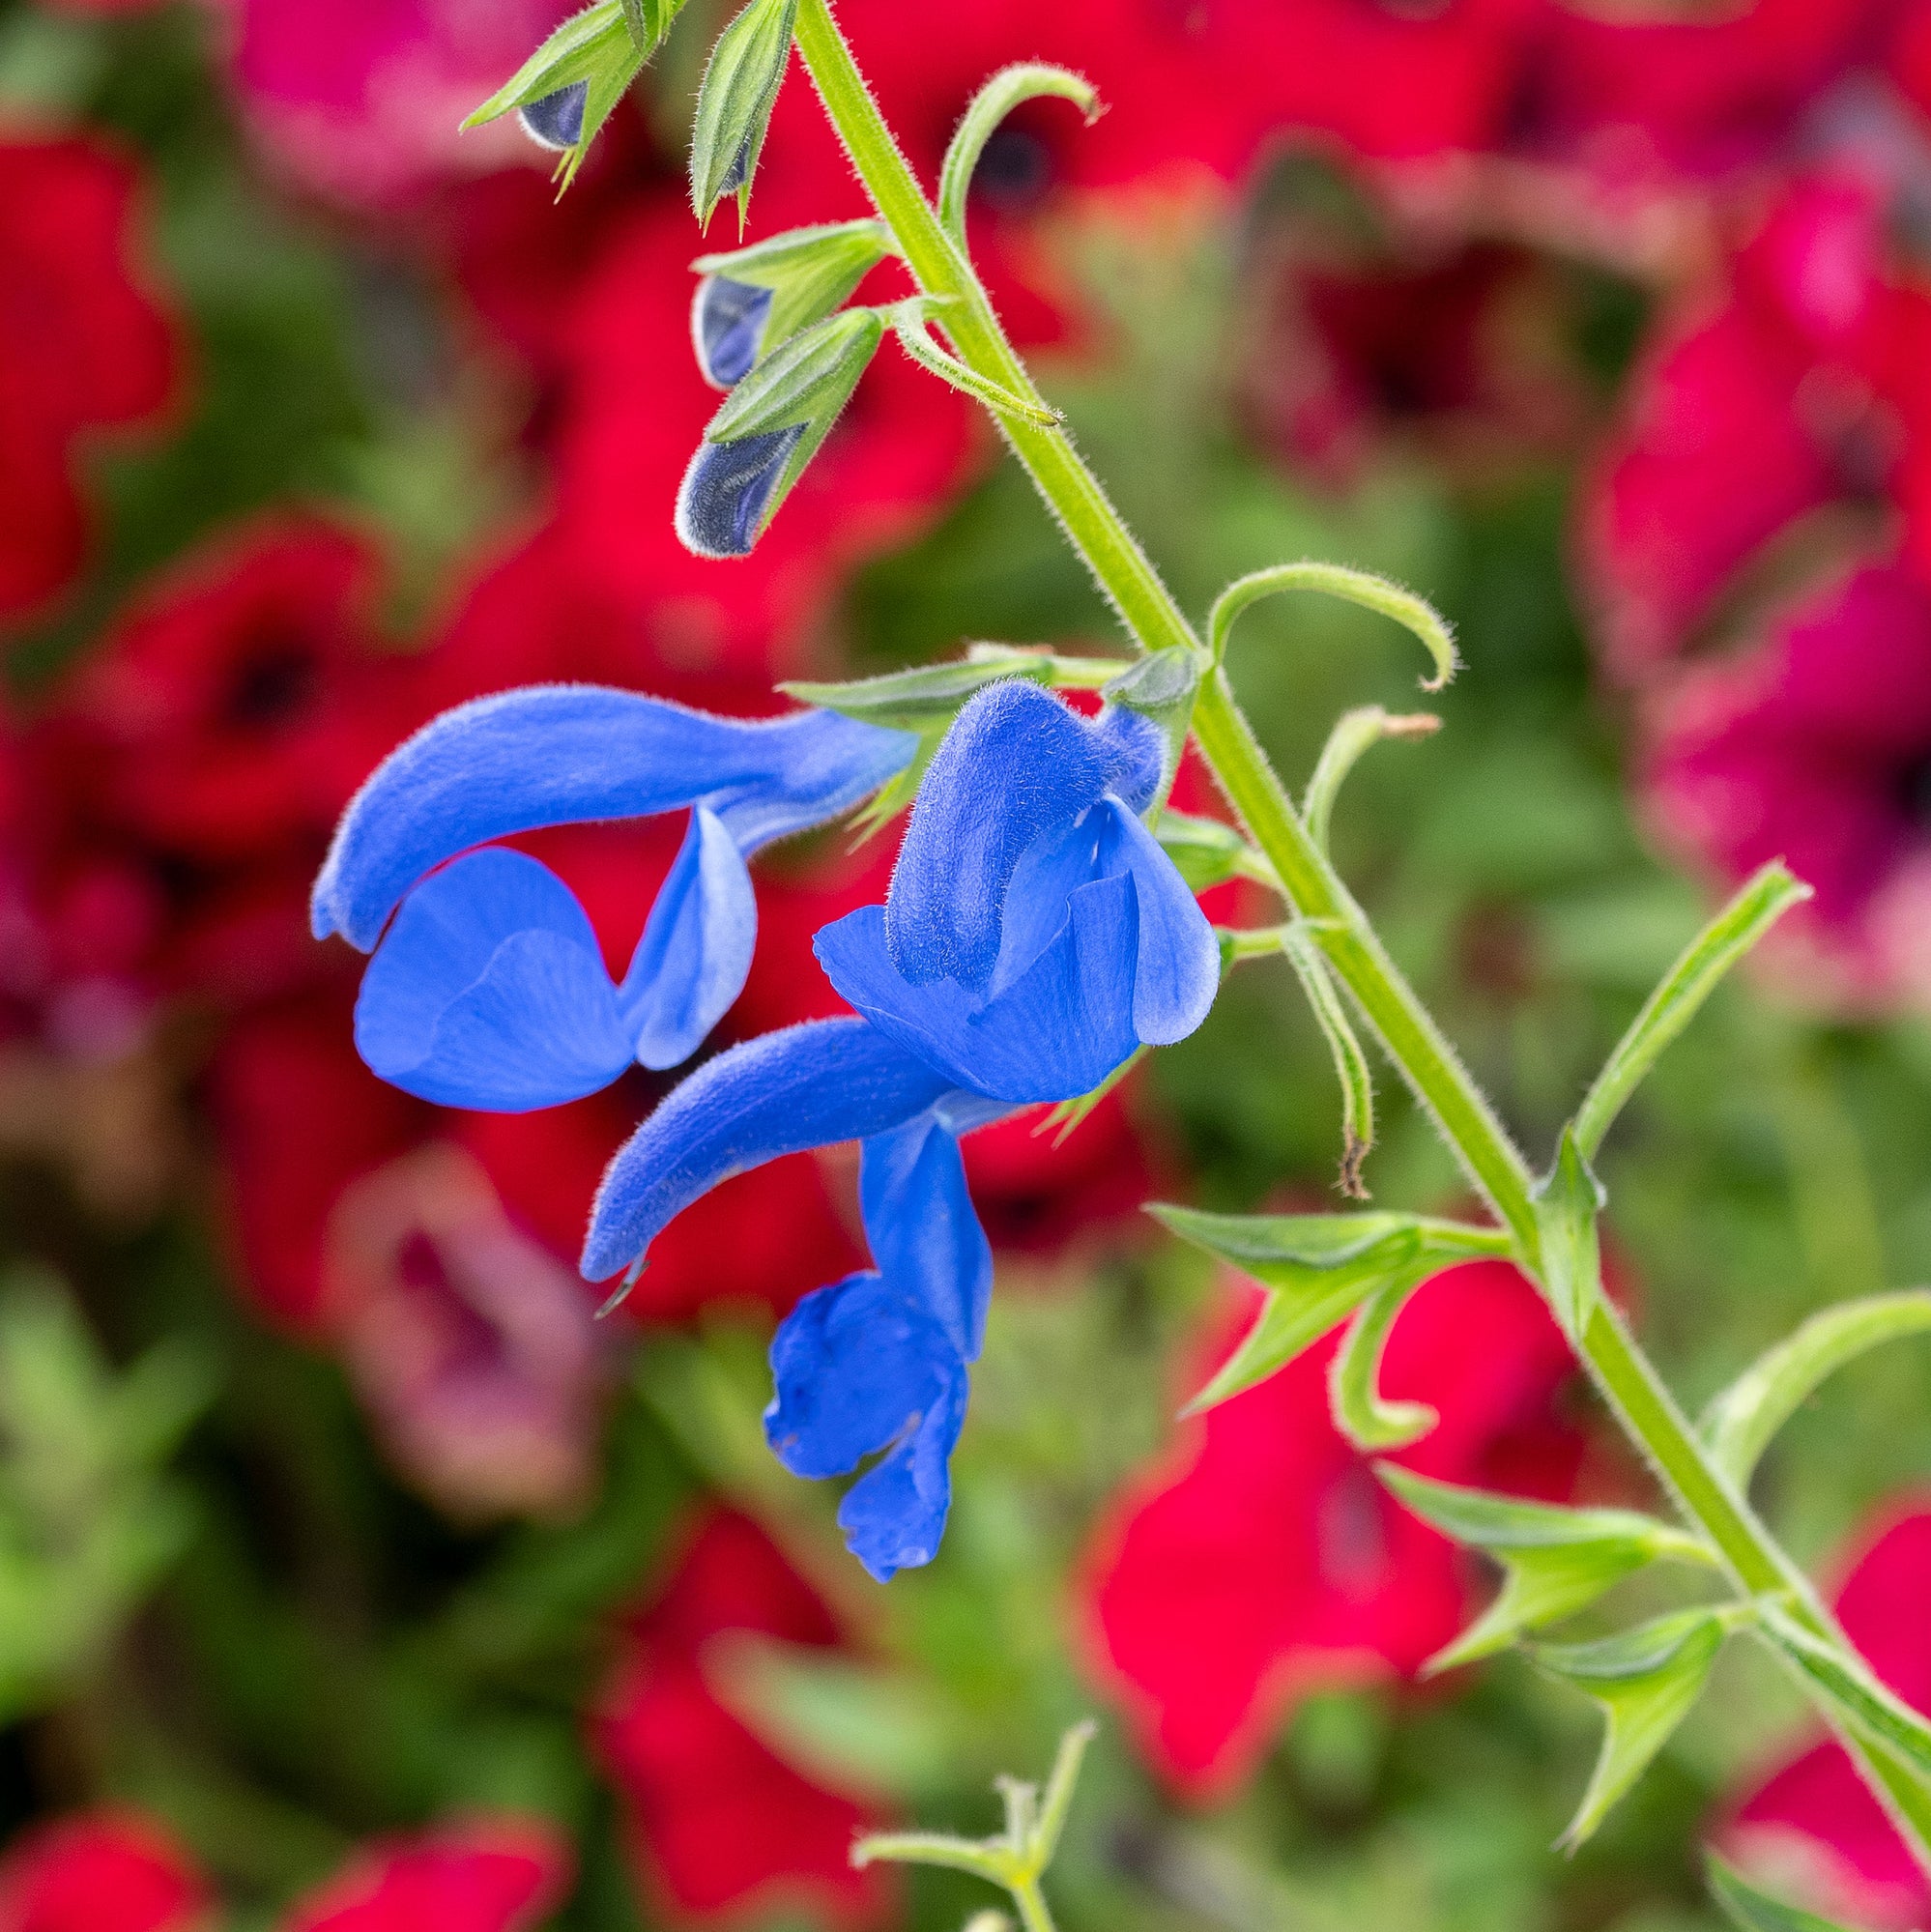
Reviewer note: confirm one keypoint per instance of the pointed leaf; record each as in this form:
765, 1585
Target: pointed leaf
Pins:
1320, 1267
733, 109
1740, 1420
1555, 1561
1763, 900
1754, 1910
1354, 1377
1647, 1680
1845, 1683
1568, 1200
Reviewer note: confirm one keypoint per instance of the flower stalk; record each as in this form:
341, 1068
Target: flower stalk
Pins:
1642, 1403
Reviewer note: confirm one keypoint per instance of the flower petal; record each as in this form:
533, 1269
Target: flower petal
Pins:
721, 501
859, 1368
1177, 968
562, 754
555, 120
806, 1086
696, 951
1056, 1032
925, 1239
490, 992
1016, 765
727, 319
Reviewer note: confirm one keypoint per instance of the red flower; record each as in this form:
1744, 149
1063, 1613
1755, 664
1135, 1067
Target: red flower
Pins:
1038, 1194
81, 344
1814, 749
1748, 415
470, 1344
1262, 1558
722, 1825
365, 105
1815, 1815
100, 1871
494, 1875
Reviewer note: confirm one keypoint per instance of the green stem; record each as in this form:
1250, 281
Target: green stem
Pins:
1031, 1903
1627, 1381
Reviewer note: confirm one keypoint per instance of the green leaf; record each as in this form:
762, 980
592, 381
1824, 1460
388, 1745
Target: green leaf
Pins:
1765, 898
1755, 1911
1320, 1268
810, 271
1645, 1680
1351, 1068
1354, 1393
1555, 1561
1354, 587
1739, 1424
923, 700
734, 109
1006, 90
1845, 1683
1355, 733
601, 48
1568, 1200
1207, 853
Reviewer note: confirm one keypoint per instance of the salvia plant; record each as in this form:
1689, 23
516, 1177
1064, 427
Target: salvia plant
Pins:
1041, 933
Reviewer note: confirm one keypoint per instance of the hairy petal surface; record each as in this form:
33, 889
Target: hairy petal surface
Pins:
490, 992
1017, 766
806, 1086
563, 753
925, 1238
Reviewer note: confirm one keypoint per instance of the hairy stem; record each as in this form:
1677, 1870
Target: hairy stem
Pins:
1415, 1045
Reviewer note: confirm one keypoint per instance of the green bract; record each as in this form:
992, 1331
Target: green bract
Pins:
1319, 1269
733, 109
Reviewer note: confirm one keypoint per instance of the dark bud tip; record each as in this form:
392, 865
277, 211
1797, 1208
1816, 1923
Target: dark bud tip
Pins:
726, 489
727, 319
740, 170
557, 121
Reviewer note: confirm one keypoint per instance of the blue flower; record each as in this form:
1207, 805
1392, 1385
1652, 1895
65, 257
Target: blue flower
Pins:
489, 989
555, 120
726, 323
1033, 937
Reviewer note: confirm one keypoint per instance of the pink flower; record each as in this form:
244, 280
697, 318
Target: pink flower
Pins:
1262, 1559
1814, 1819
470, 1345
724, 1829
99, 1871
363, 102
1814, 748
488, 1875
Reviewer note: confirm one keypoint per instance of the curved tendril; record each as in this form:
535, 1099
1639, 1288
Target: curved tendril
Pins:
908, 324
1354, 587
1355, 732
1006, 90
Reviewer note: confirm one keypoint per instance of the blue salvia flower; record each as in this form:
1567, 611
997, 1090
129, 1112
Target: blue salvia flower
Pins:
1034, 935
555, 120
488, 988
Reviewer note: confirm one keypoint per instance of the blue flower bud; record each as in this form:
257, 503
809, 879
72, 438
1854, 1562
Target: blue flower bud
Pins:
733, 107
727, 322
557, 121
722, 503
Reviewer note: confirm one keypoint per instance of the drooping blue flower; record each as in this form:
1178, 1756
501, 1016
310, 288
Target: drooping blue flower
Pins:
489, 989
1042, 936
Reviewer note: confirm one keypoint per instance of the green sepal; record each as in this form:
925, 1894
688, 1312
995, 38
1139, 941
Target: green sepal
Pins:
1205, 853
1739, 1421
1845, 1683
1319, 1269
810, 271
1754, 1910
733, 109
1360, 1411
1072, 1114
1568, 1200
925, 700
1161, 687
1555, 1561
599, 47
806, 380
1645, 1680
